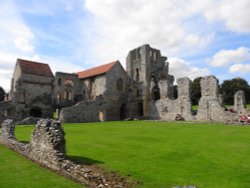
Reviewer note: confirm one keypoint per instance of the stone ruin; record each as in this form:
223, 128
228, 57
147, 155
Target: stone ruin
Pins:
47, 142
48, 148
240, 102
108, 92
8, 130
210, 107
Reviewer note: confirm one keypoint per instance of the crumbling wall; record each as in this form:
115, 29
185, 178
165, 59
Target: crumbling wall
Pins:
167, 109
47, 147
6, 110
47, 143
184, 104
240, 102
85, 111
210, 108
8, 130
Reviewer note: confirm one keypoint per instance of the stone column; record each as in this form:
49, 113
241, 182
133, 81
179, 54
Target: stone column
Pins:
240, 102
184, 98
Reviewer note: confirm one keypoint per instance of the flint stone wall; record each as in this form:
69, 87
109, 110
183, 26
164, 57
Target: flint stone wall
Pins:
240, 103
84, 111
8, 130
167, 109
47, 147
210, 107
47, 143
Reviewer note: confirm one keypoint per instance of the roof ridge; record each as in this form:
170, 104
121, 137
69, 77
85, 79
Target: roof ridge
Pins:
35, 68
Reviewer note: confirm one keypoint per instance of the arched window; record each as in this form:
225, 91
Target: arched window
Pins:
59, 82
119, 85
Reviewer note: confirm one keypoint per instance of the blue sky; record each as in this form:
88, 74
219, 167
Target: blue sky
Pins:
198, 37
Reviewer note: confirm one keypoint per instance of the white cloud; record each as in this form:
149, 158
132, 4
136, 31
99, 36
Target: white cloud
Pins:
181, 68
240, 68
125, 24
23, 45
234, 14
14, 31
225, 57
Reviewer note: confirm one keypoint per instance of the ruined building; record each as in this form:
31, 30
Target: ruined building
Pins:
108, 92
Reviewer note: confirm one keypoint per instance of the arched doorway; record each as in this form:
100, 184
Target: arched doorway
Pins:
36, 112
123, 111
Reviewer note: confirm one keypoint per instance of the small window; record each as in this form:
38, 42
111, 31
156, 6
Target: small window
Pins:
83, 94
137, 78
119, 85
59, 82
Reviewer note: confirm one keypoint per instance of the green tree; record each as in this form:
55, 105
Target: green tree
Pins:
2, 94
196, 90
229, 87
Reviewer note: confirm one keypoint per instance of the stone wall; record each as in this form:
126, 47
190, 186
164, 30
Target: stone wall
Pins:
210, 107
240, 103
68, 90
47, 143
168, 109
85, 111
8, 130
47, 147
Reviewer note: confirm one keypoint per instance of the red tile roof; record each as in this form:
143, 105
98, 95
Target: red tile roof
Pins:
96, 70
35, 68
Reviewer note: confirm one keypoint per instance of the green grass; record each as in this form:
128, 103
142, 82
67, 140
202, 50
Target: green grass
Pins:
162, 154
18, 172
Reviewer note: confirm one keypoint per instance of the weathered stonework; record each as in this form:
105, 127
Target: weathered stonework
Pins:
96, 112
168, 109
47, 142
210, 108
108, 92
47, 147
8, 129
240, 102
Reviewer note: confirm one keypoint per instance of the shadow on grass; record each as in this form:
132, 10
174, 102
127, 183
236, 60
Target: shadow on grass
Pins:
83, 160
24, 142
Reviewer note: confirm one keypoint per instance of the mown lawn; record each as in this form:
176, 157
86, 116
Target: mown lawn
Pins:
18, 172
160, 154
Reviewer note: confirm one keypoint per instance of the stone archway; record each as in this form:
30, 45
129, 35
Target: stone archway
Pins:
36, 112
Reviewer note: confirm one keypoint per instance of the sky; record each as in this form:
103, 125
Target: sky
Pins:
200, 38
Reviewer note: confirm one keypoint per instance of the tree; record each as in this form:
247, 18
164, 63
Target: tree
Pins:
2, 94
229, 87
196, 90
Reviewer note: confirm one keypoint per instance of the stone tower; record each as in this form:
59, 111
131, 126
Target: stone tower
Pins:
149, 79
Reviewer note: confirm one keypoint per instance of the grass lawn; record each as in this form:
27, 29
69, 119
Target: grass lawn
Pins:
18, 172
160, 154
